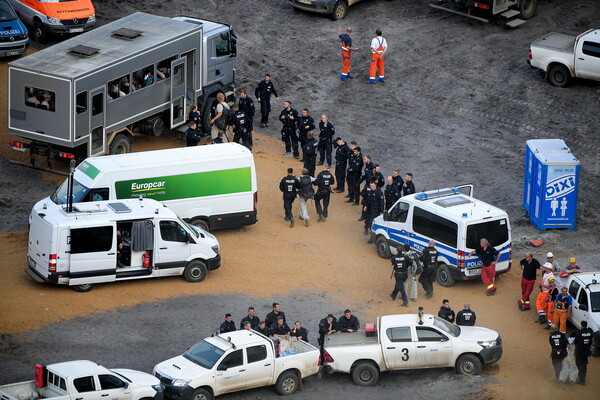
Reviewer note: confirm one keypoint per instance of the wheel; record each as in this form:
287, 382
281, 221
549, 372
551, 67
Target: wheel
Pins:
195, 271
468, 364
559, 75
154, 126
206, 114
444, 277
40, 34
383, 248
287, 383
527, 8
365, 374
83, 288
201, 394
200, 223
339, 10
121, 144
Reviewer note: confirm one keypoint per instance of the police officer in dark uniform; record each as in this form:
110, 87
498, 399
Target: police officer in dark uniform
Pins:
306, 123
247, 106
271, 319
240, 126
391, 193
263, 93
400, 263
429, 259
355, 166
368, 172
398, 181
262, 328
192, 135
289, 119
253, 319
466, 316
583, 346
309, 150
558, 343
323, 182
342, 154
228, 325
327, 326
289, 185
348, 322
372, 205
326, 134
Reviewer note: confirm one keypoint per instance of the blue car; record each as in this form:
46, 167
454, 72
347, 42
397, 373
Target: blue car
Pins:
14, 39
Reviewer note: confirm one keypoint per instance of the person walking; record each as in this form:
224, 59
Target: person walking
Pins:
400, 264
446, 312
342, 154
558, 344
263, 93
489, 257
378, 49
309, 151
246, 105
305, 124
372, 206
583, 347
415, 270
391, 193
326, 134
466, 316
529, 267
347, 50
429, 259
563, 305
306, 193
354, 169
220, 122
289, 185
289, 119
324, 181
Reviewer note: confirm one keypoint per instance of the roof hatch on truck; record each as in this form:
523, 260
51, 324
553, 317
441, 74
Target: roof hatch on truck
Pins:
83, 51
126, 34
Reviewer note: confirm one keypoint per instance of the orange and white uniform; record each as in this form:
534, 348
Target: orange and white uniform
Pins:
542, 299
346, 55
378, 48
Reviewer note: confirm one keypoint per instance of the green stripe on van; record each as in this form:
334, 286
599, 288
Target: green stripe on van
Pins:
185, 186
88, 169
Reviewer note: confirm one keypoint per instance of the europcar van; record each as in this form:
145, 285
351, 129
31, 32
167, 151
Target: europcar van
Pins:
111, 241
14, 39
455, 221
212, 187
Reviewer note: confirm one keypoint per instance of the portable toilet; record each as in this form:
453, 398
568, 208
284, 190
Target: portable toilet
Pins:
554, 190
533, 147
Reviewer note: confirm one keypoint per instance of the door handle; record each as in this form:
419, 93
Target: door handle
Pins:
79, 398
390, 348
111, 254
267, 365
163, 248
105, 395
579, 58
242, 370
421, 347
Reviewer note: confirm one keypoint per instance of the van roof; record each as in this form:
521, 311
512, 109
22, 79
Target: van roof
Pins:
77, 368
57, 60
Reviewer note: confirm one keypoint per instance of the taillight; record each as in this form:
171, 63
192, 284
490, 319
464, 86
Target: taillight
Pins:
328, 358
530, 55
16, 144
68, 156
460, 261
39, 376
255, 200
52, 263
482, 6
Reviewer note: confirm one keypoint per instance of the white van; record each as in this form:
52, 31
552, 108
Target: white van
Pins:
455, 221
112, 241
211, 187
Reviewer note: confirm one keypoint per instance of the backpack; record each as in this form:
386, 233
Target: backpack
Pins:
306, 189
223, 120
416, 267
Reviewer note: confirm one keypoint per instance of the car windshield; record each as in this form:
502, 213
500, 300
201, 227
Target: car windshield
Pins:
60, 194
446, 326
496, 232
6, 12
204, 354
595, 301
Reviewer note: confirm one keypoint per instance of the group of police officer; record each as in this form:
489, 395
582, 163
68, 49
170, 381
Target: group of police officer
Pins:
408, 264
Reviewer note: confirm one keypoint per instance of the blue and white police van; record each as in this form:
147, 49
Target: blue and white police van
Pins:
455, 221
14, 38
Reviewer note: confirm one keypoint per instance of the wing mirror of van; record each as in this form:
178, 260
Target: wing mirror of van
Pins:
386, 216
222, 367
444, 338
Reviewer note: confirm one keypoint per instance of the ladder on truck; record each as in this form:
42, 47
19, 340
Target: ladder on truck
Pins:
465, 8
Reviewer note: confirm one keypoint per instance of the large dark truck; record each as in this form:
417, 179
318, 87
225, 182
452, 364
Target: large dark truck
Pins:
511, 13
90, 95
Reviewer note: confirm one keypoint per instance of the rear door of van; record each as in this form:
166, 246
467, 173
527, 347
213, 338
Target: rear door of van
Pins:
93, 254
40, 245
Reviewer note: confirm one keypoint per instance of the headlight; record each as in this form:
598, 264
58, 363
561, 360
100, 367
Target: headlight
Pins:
54, 21
487, 343
180, 382
215, 248
92, 18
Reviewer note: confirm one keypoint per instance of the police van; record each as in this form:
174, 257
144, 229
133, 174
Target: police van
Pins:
14, 38
110, 241
455, 221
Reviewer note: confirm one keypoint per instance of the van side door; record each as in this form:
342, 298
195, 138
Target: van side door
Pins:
579, 310
397, 222
173, 247
93, 254
587, 59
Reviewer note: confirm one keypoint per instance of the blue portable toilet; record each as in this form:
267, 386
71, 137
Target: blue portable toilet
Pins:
554, 190
533, 147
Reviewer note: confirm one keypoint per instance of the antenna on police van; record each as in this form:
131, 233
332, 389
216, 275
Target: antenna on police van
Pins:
70, 189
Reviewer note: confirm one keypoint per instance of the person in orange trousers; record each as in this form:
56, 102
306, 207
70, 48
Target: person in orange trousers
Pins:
552, 294
562, 310
378, 49
542, 299
347, 50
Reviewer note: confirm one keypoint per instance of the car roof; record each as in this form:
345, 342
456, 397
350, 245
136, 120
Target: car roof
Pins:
405, 319
589, 278
77, 368
237, 338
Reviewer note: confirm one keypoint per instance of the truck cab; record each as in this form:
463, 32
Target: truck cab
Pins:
14, 38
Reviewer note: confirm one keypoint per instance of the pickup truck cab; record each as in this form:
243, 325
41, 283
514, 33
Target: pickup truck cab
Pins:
85, 380
564, 57
584, 288
14, 38
336, 9
235, 361
411, 341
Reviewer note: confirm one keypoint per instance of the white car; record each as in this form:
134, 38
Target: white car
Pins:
585, 290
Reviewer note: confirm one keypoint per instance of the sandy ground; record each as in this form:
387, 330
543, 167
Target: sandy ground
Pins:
458, 107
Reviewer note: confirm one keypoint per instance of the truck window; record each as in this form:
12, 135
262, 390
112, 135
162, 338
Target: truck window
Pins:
98, 104
595, 302
234, 359
494, 231
56, 380
583, 298
100, 194
401, 334
84, 384
118, 88
256, 353
40, 98
143, 77
428, 334
81, 102
573, 288
222, 45
591, 49
400, 212
79, 192
171, 231
108, 382
163, 68
435, 227
91, 240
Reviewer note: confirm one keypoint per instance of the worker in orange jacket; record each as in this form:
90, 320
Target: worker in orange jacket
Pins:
562, 310
542, 299
347, 50
552, 294
378, 49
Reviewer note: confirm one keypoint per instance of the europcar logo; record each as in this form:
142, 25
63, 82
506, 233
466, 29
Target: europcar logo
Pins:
144, 187
560, 186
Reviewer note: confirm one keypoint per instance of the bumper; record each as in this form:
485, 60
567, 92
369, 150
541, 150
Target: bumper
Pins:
460, 274
213, 263
318, 6
52, 278
10, 49
70, 28
176, 392
491, 354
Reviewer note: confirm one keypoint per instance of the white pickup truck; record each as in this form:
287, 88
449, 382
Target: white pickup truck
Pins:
84, 380
564, 57
411, 341
584, 288
235, 361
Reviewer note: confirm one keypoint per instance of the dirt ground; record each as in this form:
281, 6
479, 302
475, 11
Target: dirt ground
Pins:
458, 106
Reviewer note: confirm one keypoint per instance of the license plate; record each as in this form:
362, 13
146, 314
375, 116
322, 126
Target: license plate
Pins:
305, 1
75, 30
18, 148
30, 262
474, 271
10, 53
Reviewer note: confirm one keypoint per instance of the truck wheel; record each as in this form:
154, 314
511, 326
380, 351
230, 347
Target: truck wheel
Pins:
287, 383
527, 8
200, 223
365, 374
195, 271
39, 32
559, 75
83, 288
154, 126
206, 114
201, 394
444, 277
383, 248
339, 10
468, 364
121, 144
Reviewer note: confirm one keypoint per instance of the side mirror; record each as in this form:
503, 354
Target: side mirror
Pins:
444, 339
583, 307
125, 385
222, 367
386, 216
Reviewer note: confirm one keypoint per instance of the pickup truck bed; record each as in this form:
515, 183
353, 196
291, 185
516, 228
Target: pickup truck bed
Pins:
354, 338
24, 390
557, 42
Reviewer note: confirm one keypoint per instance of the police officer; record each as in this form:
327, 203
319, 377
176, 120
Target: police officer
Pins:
326, 134
306, 123
400, 263
398, 181
342, 153
192, 135
372, 205
583, 345
289, 119
368, 173
228, 325
240, 126
327, 326
323, 182
309, 150
289, 185
348, 322
429, 259
262, 328
247, 106
253, 319
355, 166
391, 193
263, 93
558, 343
466, 317
271, 319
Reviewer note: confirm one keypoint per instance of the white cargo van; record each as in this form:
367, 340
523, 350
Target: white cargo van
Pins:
111, 241
211, 187
455, 221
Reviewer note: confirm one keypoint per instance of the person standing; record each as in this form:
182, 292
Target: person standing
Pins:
583, 346
446, 312
398, 180
326, 134
247, 106
342, 153
489, 257
194, 115
354, 169
306, 193
347, 50
309, 151
550, 258
220, 121
327, 326
553, 293
348, 322
192, 135
400, 263
271, 319
415, 270
289, 119
241, 129
263, 93
324, 181
558, 343
466, 317
408, 187
305, 124
542, 298
391, 193
568, 372
529, 267
228, 325
563, 305
429, 259
253, 319
289, 185
299, 332
372, 205
378, 49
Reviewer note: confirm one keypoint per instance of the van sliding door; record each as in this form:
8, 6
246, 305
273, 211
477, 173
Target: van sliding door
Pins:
178, 88
93, 255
